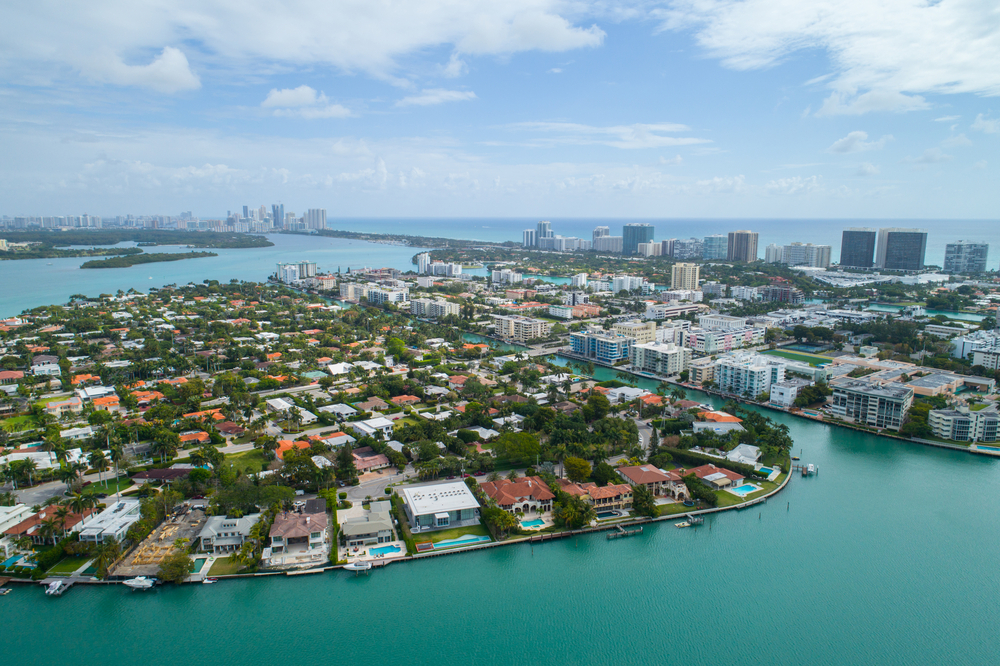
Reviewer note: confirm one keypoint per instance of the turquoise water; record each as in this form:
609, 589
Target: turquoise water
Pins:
198, 565
959, 316
766, 470
12, 560
988, 448
383, 550
607, 514
466, 540
537, 522
744, 490
41, 284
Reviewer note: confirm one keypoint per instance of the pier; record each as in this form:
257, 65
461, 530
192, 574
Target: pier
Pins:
620, 532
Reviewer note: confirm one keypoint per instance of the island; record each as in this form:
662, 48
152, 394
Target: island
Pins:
49, 244
136, 259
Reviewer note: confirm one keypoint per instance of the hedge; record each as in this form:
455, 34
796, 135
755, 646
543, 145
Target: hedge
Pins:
698, 459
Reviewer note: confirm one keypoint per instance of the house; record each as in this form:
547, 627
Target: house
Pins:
44, 364
194, 438
230, 429
113, 522
371, 528
611, 496
366, 460
369, 428
110, 403
513, 422
60, 407
336, 439
35, 526
341, 411
10, 376
223, 535
372, 404
717, 478
529, 494
457, 382
286, 445
302, 535
164, 475
441, 505
658, 481
403, 400
625, 394
77, 434
744, 453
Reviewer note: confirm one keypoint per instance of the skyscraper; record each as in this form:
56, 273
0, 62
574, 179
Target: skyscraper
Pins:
543, 230
601, 232
901, 249
423, 262
684, 276
277, 214
715, 247
633, 234
246, 212
528, 238
965, 257
806, 254
668, 247
774, 253
857, 247
316, 218
742, 246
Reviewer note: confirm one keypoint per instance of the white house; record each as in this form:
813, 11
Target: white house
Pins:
744, 453
112, 523
368, 428
441, 505
223, 535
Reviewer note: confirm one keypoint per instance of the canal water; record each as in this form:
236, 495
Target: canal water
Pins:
886, 557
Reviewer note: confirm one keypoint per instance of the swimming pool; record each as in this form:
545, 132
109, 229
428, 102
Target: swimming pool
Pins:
12, 560
765, 470
744, 490
466, 540
988, 448
537, 522
601, 515
385, 550
198, 565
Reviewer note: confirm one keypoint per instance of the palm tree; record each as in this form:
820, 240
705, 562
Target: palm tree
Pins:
48, 528
67, 476
62, 515
99, 462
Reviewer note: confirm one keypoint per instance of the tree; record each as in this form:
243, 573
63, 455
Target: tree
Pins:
577, 469
603, 474
98, 461
517, 446
597, 407
176, 567
572, 511
643, 503
346, 470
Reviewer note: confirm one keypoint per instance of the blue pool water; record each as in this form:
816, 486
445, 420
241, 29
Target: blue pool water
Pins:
382, 550
198, 565
12, 560
607, 514
988, 448
537, 522
466, 540
744, 490
766, 470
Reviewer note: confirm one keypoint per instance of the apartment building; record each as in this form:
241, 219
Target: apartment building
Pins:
748, 373
521, 329
601, 346
877, 406
965, 425
662, 358
642, 332
434, 309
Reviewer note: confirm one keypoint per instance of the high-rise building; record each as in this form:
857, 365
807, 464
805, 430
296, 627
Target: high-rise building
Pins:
901, 249
742, 246
423, 262
529, 239
774, 254
857, 248
316, 218
715, 247
601, 232
633, 234
965, 257
246, 212
611, 244
579, 280
684, 276
806, 254
687, 248
652, 249
543, 230
277, 214
668, 247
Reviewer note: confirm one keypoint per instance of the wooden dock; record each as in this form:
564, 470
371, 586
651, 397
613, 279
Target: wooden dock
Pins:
620, 532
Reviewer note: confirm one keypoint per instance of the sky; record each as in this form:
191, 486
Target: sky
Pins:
537, 108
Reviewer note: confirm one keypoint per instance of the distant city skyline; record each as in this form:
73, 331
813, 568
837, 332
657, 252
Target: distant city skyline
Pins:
528, 108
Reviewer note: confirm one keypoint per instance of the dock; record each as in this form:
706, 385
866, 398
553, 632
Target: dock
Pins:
66, 584
621, 532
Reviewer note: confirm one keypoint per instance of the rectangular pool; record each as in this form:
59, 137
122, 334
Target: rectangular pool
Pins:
466, 540
384, 550
198, 565
537, 522
602, 515
744, 490
765, 470
988, 448
12, 560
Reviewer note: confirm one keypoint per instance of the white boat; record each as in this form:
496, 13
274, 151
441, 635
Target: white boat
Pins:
360, 565
811, 469
140, 583
209, 581
4, 591
55, 588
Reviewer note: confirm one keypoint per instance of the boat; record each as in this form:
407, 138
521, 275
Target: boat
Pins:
811, 469
795, 457
4, 591
56, 588
360, 565
684, 524
140, 583
209, 581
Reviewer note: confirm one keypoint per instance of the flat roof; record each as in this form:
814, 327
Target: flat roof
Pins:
439, 498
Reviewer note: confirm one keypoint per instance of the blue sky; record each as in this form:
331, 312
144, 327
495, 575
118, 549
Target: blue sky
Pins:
687, 108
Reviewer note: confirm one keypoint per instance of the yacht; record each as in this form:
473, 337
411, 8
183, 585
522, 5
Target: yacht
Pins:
140, 583
56, 588
209, 581
360, 565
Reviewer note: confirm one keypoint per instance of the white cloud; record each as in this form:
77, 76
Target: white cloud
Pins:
884, 55
719, 185
555, 70
430, 96
350, 35
617, 136
946, 119
988, 125
867, 169
793, 185
169, 72
456, 67
856, 142
957, 140
303, 102
930, 156
981, 164
673, 161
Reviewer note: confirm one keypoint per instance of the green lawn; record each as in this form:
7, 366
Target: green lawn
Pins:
811, 359
224, 567
109, 486
454, 533
18, 423
406, 420
248, 460
69, 564
676, 508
